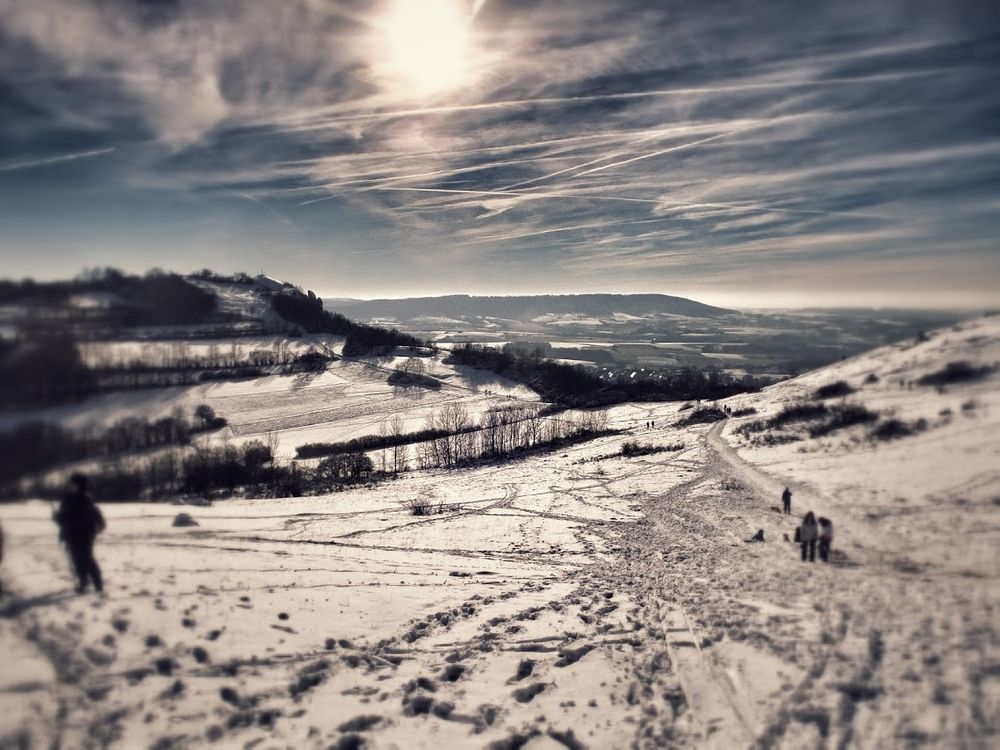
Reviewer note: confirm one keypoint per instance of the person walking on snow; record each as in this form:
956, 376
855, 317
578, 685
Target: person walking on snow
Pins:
80, 521
786, 501
825, 538
808, 533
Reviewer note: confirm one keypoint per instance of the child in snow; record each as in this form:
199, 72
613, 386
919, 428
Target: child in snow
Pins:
808, 532
825, 538
80, 521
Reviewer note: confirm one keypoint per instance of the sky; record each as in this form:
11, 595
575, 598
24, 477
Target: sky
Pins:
745, 153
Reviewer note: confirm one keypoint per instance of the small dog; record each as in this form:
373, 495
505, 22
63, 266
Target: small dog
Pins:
776, 509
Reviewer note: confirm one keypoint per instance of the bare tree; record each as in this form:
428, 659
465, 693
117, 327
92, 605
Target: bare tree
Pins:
399, 452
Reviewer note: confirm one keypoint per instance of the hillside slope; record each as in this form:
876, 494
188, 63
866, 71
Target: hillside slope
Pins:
582, 599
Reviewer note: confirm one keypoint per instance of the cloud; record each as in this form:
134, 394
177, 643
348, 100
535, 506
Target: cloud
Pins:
685, 139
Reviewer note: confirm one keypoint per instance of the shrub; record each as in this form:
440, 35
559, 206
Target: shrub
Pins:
842, 417
706, 415
632, 448
872, 378
419, 506
406, 379
892, 429
798, 413
347, 468
746, 411
789, 414
834, 390
956, 372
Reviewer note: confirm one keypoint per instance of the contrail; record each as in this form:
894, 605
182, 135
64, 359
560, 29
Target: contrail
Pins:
558, 230
598, 160
663, 151
362, 178
548, 101
660, 152
622, 199
55, 159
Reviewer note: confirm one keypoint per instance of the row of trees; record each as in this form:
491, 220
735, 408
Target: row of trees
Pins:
179, 355
453, 438
35, 447
43, 369
579, 387
157, 298
209, 471
176, 467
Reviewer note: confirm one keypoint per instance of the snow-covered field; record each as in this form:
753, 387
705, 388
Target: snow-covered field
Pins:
577, 599
351, 398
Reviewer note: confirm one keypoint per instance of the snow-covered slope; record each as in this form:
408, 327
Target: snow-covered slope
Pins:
577, 599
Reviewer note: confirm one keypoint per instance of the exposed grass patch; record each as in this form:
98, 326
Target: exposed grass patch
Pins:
842, 417
834, 390
956, 372
789, 414
895, 429
706, 415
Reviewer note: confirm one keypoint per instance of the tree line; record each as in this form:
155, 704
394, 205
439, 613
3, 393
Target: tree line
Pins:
453, 438
36, 447
306, 310
177, 467
579, 387
155, 299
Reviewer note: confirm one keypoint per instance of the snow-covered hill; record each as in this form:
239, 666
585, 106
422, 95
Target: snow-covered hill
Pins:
576, 599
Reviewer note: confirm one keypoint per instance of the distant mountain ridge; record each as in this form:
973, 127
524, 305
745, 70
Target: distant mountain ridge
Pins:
524, 307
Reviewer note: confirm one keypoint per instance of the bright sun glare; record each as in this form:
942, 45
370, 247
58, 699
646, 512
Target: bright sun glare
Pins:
428, 43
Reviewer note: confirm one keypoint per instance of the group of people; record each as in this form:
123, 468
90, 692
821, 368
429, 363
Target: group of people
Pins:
79, 521
812, 534
650, 425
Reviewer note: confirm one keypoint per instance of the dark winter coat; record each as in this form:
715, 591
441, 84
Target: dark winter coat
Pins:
825, 530
809, 532
79, 519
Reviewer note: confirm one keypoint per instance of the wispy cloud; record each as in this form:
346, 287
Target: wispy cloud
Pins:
687, 140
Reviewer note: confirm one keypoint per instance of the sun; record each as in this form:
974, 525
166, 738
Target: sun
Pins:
428, 44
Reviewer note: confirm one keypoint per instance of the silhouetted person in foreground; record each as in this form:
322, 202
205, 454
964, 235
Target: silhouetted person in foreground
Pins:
1, 560
80, 521
825, 538
786, 501
808, 533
